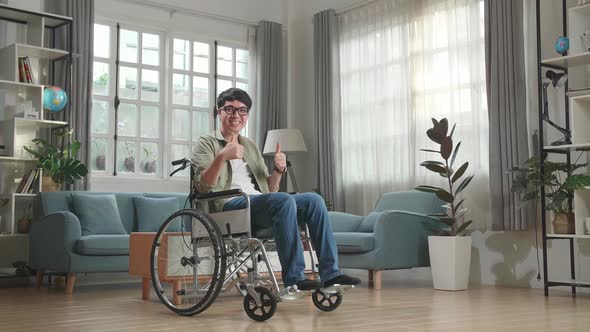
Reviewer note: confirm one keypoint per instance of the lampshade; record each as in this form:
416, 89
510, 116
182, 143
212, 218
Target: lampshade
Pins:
557, 80
291, 140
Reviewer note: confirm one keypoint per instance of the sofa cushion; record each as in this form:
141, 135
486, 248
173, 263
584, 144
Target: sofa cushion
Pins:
352, 242
103, 245
152, 212
98, 214
368, 225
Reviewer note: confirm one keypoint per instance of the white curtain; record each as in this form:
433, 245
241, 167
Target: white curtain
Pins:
404, 62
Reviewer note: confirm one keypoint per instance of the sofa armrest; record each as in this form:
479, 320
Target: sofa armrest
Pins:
52, 241
344, 222
404, 236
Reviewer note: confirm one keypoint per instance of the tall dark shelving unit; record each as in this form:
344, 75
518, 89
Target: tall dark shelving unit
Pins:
576, 57
35, 42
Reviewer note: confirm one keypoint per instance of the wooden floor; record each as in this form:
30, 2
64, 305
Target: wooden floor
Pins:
394, 308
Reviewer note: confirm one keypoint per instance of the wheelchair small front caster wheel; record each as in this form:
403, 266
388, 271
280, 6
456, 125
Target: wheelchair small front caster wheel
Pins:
326, 301
267, 308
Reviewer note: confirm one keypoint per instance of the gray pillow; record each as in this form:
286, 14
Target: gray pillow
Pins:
98, 214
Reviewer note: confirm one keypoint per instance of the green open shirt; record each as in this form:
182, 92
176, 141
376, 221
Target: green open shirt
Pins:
203, 155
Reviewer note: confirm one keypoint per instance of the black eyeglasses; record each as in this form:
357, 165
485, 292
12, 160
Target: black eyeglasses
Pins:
232, 110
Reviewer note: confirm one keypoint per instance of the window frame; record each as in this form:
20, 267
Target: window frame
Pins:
165, 141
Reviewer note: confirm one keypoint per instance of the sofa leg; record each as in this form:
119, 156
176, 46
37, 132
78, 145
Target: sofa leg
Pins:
177, 284
38, 279
145, 288
70, 283
375, 279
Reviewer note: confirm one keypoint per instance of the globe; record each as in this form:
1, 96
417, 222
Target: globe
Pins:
54, 98
562, 45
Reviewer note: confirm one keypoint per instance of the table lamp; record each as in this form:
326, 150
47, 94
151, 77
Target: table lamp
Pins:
291, 141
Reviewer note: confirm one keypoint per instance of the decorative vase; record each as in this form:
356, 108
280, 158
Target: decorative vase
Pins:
100, 162
564, 223
49, 185
130, 164
450, 260
23, 226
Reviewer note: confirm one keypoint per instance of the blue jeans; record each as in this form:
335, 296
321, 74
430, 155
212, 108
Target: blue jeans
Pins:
282, 212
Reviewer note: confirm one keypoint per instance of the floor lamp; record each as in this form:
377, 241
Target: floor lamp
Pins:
291, 141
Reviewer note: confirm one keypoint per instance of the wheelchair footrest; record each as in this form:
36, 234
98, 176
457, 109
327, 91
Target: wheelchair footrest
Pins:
296, 295
333, 289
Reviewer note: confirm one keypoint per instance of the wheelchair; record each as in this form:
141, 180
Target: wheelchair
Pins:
195, 256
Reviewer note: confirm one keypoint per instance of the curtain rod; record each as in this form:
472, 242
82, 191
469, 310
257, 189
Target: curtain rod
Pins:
186, 11
354, 6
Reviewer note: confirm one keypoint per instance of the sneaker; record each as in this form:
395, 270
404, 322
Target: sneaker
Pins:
307, 284
342, 279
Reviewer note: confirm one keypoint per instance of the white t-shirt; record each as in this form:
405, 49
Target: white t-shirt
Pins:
241, 178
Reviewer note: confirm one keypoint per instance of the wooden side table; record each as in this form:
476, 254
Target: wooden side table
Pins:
140, 249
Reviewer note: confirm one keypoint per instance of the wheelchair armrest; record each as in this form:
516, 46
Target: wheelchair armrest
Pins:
218, 194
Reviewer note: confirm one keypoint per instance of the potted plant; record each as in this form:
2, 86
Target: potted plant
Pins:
559, 182
100, 159
129, 162
450, 253
151, 165
59, 165
24, 222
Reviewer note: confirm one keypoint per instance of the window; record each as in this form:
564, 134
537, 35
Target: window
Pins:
192, 77
139, 143
232, 71
399, 67
155, 126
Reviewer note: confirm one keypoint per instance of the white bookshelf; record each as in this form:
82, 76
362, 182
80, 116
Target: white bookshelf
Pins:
17, 131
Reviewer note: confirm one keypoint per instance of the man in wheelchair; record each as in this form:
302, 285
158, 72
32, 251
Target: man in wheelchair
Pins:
225, 160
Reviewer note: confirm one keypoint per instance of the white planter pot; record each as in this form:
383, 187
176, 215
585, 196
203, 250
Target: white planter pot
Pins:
450, 258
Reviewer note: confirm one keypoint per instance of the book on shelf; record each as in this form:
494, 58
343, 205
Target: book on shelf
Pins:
26, 182
25, 74
34, 187
21, 70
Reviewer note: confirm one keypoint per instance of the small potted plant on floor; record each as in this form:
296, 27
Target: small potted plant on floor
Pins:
450, 253
559, 186
58, 162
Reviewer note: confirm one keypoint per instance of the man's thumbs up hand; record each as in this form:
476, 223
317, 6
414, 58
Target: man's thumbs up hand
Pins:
280, 160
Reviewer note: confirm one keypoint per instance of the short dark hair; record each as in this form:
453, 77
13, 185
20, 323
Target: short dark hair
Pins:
232, 94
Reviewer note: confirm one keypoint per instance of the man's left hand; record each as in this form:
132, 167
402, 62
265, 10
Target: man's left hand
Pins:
280, 159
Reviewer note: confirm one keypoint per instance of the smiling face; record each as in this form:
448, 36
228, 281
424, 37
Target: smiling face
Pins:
232, 123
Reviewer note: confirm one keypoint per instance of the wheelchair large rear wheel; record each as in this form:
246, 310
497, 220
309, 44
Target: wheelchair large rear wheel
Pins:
188, 262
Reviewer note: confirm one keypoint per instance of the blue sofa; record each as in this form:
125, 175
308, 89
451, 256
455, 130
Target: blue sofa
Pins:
57, 244
393, 236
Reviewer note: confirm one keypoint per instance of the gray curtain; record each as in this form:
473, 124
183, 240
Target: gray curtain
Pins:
80, 89
271, 106
327, 105
506, 93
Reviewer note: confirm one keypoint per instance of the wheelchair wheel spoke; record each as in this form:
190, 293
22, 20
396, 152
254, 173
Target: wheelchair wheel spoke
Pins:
187, 266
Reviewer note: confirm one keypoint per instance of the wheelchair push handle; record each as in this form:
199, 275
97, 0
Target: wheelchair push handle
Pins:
184, 163
179, 161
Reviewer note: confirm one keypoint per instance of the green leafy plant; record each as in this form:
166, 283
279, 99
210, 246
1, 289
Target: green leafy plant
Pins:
454, 218
151, 164
528, 179
58, 163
